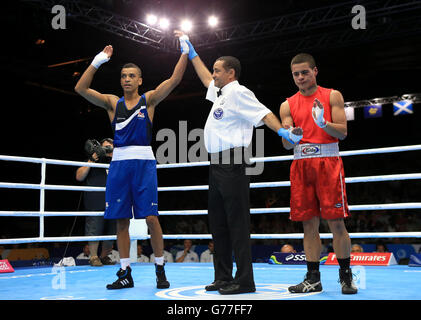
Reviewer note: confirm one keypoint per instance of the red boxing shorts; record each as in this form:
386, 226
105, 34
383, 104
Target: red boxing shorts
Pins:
318, 189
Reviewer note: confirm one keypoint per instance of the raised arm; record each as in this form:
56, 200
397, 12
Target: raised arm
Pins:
154, 97
203, 73
106, 101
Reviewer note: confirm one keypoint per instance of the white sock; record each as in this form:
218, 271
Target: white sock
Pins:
125, 262
159, 260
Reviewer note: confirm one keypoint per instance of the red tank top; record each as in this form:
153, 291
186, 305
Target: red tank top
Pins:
301, 106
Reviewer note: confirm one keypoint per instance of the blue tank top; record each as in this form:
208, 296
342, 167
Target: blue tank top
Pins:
132, 127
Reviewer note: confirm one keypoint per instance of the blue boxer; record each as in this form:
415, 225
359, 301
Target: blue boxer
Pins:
132, 187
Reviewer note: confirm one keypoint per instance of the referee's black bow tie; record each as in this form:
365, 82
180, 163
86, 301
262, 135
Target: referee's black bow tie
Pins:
219, 93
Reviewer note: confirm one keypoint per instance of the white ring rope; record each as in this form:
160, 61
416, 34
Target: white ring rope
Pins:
42, 187
206, 163
390, 177
356, 235
359, 207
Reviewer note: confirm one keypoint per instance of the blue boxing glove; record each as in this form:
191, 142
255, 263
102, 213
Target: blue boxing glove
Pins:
290, 136
284, 133
186, 47
192, 52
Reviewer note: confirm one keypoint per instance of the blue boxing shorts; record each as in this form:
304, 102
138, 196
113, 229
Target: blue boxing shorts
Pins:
131, 190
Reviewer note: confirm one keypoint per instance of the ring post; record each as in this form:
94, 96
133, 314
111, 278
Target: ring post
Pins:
42, 198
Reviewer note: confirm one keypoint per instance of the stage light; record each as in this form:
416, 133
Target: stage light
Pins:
164, 23
212, 21
151, 19
186, 25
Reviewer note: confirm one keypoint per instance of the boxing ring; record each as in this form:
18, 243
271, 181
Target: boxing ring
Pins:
272, 281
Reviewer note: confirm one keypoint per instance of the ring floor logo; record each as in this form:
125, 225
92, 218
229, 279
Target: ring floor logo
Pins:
263, 292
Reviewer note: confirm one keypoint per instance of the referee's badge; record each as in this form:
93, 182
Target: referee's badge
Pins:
218, 114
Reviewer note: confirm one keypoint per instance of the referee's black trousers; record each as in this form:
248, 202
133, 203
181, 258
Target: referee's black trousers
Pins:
229, 222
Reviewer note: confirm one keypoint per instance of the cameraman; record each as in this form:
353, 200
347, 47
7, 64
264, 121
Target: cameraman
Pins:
100, 152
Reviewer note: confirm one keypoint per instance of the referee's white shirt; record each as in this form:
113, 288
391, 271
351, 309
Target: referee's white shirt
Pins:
233, 115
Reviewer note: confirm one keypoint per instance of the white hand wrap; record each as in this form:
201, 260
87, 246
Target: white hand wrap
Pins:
183, 44
99, 59
318, 118
294, 138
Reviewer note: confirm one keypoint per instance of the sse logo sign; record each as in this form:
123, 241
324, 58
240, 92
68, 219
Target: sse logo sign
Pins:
292, 258
295, 257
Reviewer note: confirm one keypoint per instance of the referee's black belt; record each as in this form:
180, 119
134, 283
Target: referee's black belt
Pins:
237, 155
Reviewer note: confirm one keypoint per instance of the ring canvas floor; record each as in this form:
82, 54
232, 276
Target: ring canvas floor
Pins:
188, 280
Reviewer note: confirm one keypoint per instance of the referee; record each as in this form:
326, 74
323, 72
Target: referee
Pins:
228, 131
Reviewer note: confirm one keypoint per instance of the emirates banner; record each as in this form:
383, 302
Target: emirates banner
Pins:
5, 266
366, 259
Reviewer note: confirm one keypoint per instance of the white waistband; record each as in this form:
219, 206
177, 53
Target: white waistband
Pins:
133, 152
314, 150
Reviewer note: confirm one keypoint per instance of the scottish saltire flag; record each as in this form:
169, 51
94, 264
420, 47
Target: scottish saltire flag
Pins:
350, 113
402, 107
374, 111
